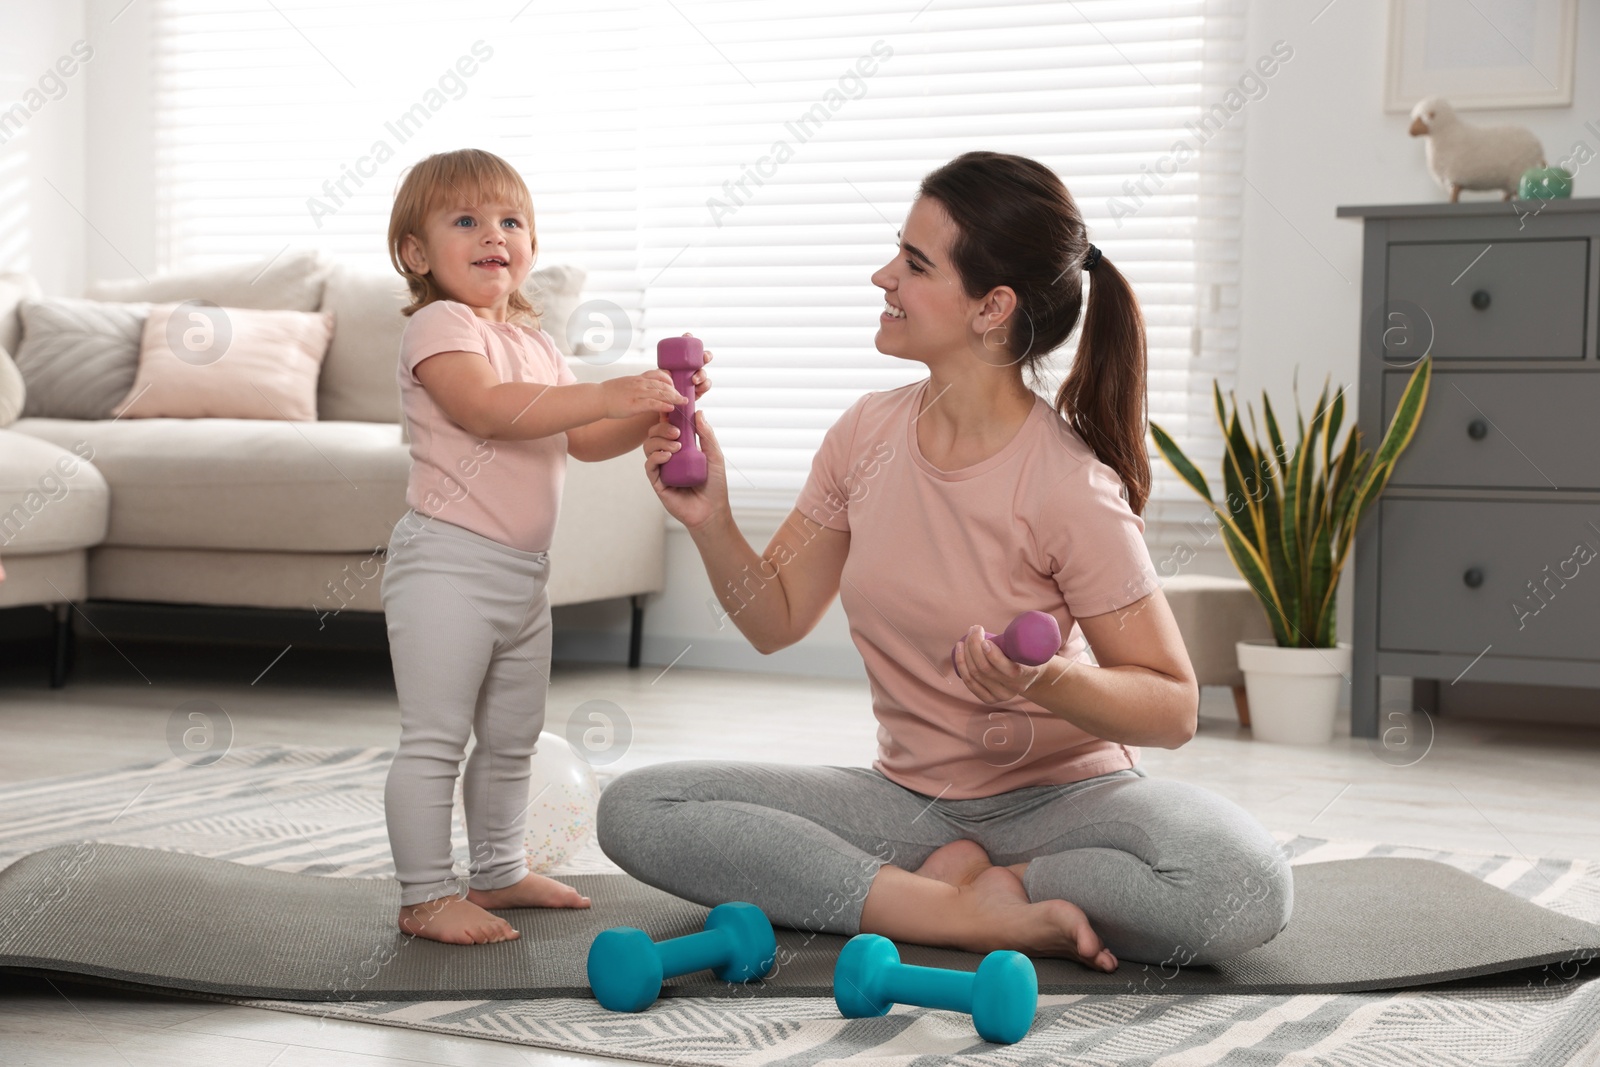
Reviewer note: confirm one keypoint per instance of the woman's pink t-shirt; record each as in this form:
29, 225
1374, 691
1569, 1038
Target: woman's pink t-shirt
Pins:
1041, 525
509, 491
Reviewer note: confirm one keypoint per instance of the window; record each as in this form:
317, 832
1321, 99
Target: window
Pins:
15, 239
733, 167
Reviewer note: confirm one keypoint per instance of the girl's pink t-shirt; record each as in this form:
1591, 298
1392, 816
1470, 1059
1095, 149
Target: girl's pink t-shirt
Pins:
509, 491
1042, 525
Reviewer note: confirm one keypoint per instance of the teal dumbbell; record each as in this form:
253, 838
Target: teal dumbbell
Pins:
1001, 997
626, 968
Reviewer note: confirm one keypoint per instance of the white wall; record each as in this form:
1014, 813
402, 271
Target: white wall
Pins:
1319, 139
120, 130
87, 156
43, 167
681, 626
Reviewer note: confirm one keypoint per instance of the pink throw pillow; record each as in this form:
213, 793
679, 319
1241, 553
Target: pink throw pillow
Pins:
198, 361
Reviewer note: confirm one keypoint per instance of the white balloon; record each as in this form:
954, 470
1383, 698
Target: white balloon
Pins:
564, 795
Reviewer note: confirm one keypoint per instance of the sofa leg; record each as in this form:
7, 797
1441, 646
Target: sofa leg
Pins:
63, 650
1241, 704
636, 632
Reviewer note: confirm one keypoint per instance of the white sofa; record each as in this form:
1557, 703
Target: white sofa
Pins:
268, 513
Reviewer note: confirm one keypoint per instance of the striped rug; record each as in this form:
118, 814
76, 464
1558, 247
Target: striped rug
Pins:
320, 811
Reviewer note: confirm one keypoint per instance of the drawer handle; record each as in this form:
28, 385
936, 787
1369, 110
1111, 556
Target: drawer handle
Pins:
1480, 299
1473, 577
1477, 429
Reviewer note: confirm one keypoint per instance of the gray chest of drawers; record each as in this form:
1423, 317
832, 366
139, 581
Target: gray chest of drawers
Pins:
1481, 561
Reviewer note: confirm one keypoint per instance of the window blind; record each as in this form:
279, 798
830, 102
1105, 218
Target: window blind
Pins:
737, 168
15, 234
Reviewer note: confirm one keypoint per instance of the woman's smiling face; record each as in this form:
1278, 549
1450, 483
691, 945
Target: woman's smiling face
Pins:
927, 309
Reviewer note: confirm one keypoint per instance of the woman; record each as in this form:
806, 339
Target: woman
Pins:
1006, 808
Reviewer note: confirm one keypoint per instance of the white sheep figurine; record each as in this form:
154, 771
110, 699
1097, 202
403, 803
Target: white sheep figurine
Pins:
1464, 156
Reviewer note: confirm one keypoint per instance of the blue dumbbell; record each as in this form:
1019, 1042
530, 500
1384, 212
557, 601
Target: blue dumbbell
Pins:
626, 968
1001, 997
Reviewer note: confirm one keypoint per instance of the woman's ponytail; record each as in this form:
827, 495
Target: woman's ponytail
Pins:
1103, 397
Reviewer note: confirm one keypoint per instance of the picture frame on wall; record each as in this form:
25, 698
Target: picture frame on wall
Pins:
1481, 54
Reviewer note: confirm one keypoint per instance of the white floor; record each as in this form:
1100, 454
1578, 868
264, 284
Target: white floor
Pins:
1516, 789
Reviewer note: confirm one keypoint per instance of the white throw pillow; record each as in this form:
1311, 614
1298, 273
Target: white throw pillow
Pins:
14, 289
555, 293
13, 391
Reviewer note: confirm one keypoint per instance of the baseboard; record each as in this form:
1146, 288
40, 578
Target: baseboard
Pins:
203, 624
658, 653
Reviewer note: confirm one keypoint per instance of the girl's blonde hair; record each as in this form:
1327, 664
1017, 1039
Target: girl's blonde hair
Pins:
469, 174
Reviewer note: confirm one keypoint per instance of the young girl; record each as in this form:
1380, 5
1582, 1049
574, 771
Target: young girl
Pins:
493, 412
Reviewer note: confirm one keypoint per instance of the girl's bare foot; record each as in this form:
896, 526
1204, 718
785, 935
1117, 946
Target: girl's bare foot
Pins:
455, 921
534, 891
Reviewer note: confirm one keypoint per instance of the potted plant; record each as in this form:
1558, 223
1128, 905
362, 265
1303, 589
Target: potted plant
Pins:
1288, 527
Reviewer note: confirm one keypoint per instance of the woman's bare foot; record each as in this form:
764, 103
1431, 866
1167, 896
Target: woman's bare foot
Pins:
959, 899
534, 891
455, 921
957, 863
1003, 917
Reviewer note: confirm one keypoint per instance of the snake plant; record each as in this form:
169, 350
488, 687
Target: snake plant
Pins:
1289, 522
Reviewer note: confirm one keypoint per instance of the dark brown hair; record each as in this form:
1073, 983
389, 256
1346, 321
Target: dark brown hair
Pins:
1019, 226
468, 174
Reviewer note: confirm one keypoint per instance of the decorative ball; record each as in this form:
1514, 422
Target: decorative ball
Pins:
1545, 183
563, 795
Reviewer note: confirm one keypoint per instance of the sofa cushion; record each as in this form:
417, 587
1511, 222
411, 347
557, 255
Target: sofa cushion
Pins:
197, 361
358, 377
244, 483
291, 280
78, 357
47, 578
51, 498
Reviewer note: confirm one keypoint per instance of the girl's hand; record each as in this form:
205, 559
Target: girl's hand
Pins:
693, 506
637, 394
990, 676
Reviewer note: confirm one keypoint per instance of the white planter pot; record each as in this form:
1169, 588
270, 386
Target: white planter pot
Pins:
1293, 692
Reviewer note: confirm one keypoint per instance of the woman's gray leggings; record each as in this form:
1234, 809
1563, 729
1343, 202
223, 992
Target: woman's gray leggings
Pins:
1167, 873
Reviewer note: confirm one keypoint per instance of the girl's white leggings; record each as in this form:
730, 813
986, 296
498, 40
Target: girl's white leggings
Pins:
469, 636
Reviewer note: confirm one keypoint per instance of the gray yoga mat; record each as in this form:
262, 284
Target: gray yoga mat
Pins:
168, 920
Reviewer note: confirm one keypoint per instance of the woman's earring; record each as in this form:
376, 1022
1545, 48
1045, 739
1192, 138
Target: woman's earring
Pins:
992, 329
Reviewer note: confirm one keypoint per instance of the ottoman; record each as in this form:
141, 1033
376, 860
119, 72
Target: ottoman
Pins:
1213, 614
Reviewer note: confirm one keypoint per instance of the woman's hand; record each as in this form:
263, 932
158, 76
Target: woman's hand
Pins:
693, 505
990, 676
638, 394
702, 381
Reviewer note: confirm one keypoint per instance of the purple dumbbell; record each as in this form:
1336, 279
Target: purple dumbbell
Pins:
1031, 639
682, 357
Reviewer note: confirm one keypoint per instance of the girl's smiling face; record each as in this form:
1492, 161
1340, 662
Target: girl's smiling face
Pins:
478, 253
